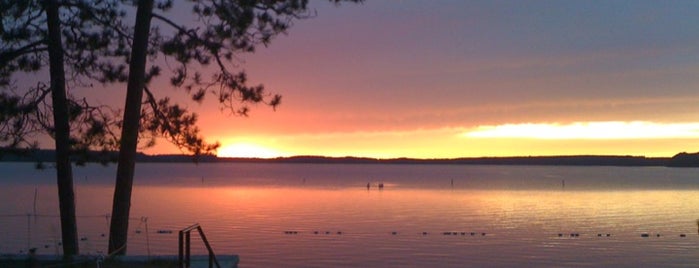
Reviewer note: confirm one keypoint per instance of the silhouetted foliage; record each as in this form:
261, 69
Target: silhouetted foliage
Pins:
198, 54
222, 30
91, 42
97, 47
684, 159
33, 35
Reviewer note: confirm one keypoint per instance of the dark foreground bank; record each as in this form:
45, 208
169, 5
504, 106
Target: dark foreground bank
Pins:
27, 261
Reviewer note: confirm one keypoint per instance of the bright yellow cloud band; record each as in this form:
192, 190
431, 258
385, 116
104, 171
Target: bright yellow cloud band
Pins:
588, 130
247, 150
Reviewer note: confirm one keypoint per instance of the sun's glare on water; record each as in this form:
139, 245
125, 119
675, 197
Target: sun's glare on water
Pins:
611, 130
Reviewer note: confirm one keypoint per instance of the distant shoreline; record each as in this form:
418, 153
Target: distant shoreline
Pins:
679, 160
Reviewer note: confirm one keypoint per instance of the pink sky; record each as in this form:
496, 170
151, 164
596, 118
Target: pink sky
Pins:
414, 78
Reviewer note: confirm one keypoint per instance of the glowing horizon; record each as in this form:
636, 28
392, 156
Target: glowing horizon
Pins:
640, 138
610, 130
487, 79
247, 150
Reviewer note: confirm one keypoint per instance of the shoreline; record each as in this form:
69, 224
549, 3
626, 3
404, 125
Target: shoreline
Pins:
678, 160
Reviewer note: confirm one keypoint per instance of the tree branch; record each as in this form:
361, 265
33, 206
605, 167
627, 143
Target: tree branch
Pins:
7, 56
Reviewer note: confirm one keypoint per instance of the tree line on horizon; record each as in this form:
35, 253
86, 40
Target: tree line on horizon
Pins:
85, 42
678, 160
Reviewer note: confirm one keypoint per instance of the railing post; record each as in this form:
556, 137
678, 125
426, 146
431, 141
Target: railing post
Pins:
211, 259
187, 248
208, 247
184, 247
181, 249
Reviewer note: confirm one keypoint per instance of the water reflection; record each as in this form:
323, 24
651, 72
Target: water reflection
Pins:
321, 223
331, 225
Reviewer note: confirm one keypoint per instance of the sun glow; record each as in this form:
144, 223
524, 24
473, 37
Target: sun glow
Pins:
247, 150
589, 130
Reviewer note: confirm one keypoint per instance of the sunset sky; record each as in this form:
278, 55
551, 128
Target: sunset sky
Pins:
437, 79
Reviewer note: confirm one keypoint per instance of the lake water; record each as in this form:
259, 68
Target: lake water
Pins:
322, 215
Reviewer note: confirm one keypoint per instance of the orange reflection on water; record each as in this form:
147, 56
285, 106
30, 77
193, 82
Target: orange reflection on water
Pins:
360, 224
366, 211
627, 212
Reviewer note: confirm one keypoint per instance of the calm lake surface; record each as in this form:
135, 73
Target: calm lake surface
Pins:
323, 215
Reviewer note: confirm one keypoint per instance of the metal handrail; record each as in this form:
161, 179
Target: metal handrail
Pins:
184, 247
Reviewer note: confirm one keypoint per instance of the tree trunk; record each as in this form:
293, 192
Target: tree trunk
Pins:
121, 205
64, 173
